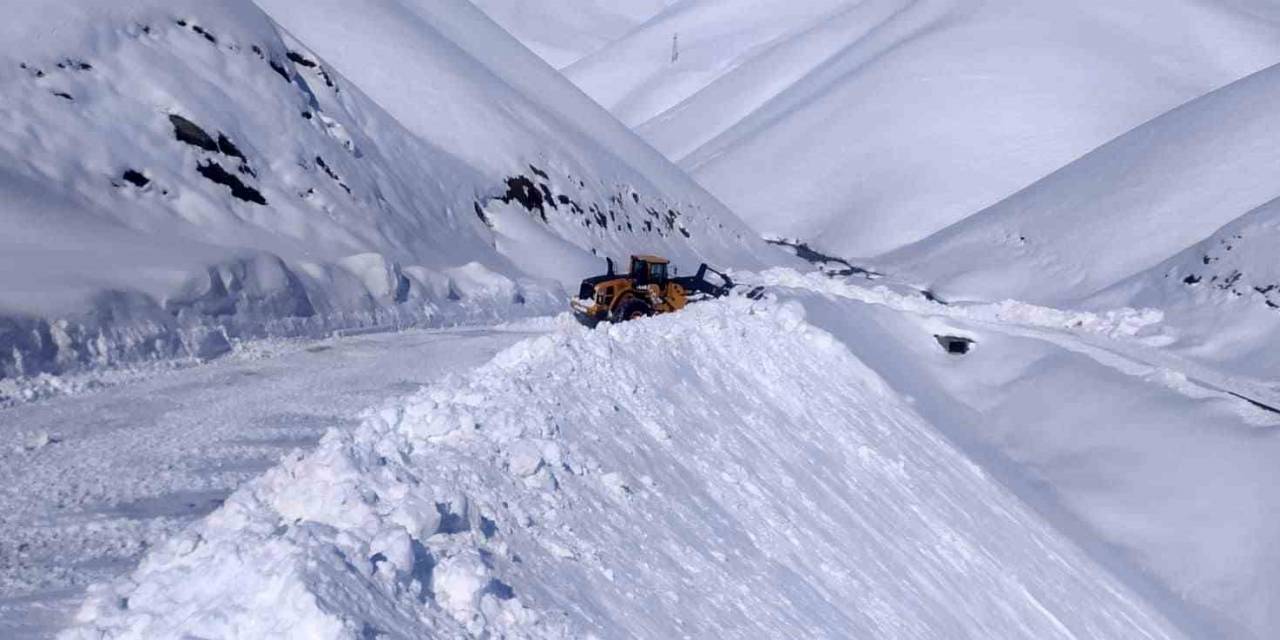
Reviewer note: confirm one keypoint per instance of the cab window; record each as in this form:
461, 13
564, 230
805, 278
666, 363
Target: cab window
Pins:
657, 273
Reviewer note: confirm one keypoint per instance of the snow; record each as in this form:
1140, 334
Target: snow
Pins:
564, 32
794, 492
1118, 322
1119, 210
1159, 467
182, 168
863, 126
97, 475
226, 223
1220, 294
1175, 215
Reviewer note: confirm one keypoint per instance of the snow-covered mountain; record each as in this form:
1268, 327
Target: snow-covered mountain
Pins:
1120, 209
1221, 293
1035, 151
191, 171
564, 32
1027, 396
863, 126
1176, 215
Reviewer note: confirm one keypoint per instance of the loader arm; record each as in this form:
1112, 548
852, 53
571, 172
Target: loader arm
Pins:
698, 282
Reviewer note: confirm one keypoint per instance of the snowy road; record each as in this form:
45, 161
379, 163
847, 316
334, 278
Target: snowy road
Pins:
728, 471
131, 464
494, 501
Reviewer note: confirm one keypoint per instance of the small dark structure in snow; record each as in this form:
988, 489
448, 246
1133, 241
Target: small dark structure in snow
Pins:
136, 178
955, 345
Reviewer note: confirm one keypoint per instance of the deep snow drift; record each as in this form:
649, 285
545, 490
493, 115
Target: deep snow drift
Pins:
862, 126
727, 471
179, 174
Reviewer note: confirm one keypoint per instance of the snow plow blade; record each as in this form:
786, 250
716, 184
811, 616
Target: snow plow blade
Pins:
698, 283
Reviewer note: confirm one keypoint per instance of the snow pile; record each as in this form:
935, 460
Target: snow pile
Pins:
863, 126
178, 175
1161, 468
728, 471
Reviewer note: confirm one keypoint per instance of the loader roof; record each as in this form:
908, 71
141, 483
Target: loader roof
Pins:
648, 258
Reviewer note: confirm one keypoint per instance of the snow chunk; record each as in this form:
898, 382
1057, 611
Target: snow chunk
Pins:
524, 458
458, 583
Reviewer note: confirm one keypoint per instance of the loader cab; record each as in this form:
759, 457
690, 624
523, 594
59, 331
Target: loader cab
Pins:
649, 270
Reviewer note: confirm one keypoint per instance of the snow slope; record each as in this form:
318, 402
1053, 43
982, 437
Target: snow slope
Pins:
1119, 210
1222, 294
1176, 215
94, 477
565, 490
863, 126
564, 32
1160, 468
191, 173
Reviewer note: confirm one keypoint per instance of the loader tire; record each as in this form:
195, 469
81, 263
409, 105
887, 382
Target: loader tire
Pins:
631, 309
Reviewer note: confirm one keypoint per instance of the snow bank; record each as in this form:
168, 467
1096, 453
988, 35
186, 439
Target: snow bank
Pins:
1122, 322
728, 471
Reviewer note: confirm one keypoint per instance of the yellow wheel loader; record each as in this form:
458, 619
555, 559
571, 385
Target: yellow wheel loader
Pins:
647, 289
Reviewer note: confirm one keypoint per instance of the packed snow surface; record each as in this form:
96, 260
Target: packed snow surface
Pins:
729, 471
863, 126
